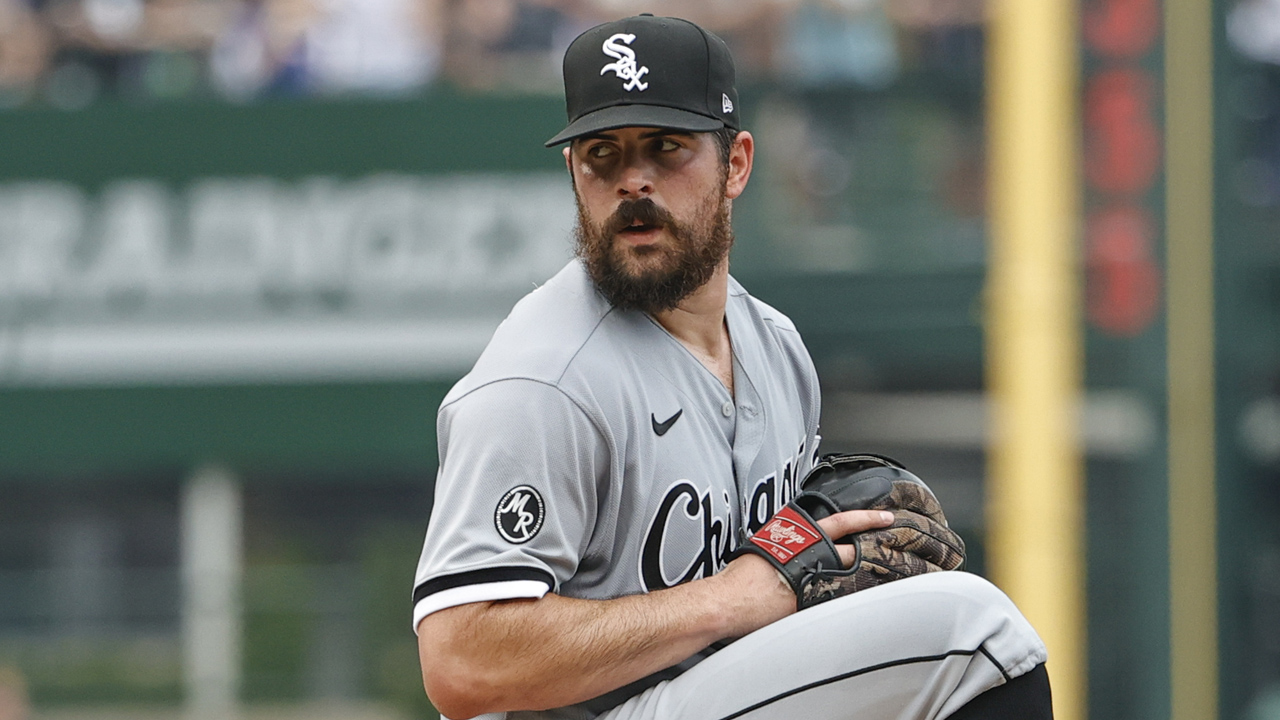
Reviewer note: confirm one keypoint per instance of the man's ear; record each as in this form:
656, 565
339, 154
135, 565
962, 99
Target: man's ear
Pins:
741, 158
568, 164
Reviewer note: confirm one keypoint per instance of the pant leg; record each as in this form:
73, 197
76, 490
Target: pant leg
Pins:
915, 649
1026, 697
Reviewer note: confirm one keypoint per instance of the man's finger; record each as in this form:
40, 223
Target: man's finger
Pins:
855, 521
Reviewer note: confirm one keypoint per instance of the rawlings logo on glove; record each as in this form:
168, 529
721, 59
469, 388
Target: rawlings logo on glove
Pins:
919, 541
787, 528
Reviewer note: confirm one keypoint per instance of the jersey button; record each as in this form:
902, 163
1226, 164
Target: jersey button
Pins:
727, 408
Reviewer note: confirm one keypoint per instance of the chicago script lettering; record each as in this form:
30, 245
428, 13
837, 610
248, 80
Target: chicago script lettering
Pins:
706, 561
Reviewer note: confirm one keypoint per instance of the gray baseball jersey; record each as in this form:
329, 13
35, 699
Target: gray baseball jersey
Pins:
589, 453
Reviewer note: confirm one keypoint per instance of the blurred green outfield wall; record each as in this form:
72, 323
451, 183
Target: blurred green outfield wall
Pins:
122, 419
295, 285
180, 142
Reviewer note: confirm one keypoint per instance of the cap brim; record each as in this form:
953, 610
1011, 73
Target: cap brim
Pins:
617, 116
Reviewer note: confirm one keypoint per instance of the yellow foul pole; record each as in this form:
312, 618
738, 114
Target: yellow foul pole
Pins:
1033, 330
1193, 581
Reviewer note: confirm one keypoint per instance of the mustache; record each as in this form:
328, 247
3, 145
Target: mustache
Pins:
644, 210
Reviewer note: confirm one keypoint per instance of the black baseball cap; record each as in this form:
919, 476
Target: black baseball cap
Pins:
648, 71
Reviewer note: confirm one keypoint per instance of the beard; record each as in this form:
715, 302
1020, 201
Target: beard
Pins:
653, 279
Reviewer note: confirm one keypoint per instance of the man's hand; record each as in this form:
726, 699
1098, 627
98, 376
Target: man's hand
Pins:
760, 594
816, 564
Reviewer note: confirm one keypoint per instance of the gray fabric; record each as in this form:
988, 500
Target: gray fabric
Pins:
855, 659
564, 400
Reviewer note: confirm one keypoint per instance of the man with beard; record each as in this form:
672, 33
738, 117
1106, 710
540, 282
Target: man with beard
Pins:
630, 424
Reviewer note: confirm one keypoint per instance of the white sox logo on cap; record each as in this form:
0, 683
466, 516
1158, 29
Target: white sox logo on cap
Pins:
606, 86
519, 514
625, 67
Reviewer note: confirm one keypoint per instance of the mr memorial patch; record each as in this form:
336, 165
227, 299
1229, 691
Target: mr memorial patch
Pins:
519, 514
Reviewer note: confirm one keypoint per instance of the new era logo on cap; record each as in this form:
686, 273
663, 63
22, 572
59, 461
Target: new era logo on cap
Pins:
648, 71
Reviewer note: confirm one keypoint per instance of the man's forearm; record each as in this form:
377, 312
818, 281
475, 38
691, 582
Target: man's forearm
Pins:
556, 651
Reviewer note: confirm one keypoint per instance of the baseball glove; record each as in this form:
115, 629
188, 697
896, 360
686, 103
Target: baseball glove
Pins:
919, 541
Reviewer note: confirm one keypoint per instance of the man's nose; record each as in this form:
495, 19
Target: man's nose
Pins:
635, 181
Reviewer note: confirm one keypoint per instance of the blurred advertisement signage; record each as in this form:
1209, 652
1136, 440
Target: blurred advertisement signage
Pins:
1122, 164
258, 279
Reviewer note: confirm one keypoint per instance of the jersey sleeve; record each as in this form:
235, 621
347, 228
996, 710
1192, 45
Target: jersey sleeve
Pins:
515, 505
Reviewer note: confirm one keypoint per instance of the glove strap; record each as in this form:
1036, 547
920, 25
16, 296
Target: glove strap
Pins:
794, 544
789, 533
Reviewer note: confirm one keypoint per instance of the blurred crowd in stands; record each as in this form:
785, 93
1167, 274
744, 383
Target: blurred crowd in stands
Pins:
72, 53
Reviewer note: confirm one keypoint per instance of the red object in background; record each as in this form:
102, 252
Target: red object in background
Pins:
1122, 142
1123, 280
1122, 157
1121, 29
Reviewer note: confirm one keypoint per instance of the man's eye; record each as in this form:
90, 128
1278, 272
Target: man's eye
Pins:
668, 145
599, 151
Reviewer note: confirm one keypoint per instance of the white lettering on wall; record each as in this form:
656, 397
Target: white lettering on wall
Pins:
259, 279
243, 236
40, 225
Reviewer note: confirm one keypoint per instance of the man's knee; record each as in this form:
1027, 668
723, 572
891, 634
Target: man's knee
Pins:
958, 594
964, 611
1008, 637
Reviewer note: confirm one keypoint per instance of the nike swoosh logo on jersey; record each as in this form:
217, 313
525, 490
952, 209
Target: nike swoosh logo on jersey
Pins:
662, 427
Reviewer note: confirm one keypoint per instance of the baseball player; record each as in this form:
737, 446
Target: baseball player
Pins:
620, 473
